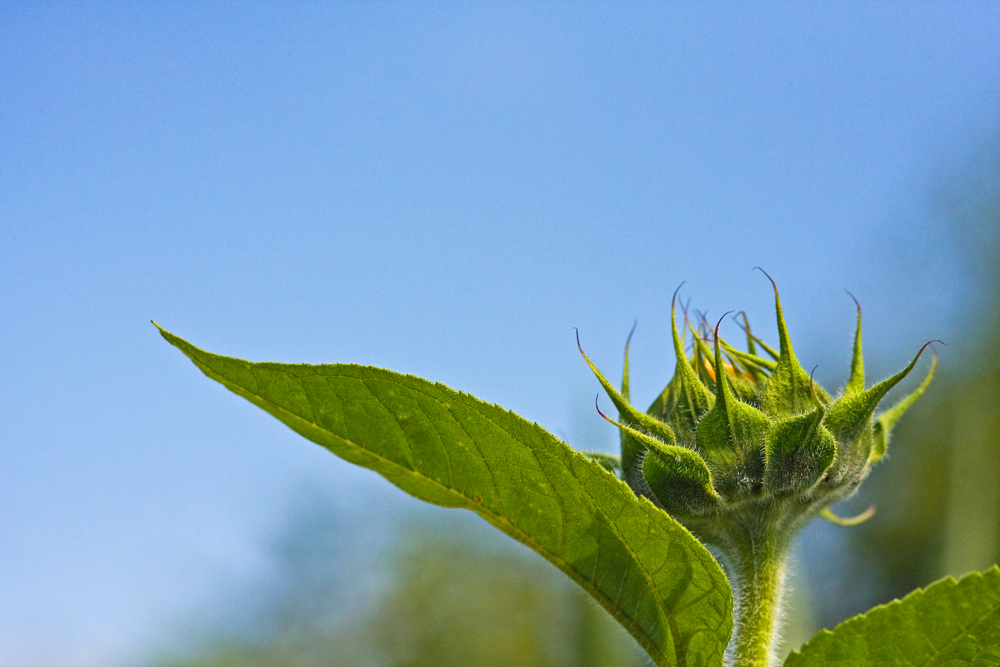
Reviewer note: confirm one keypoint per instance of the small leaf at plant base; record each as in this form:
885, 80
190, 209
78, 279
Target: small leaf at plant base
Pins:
948, 624
451, 449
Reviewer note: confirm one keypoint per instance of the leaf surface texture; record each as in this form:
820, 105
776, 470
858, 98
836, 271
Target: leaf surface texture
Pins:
451, 449
948, 624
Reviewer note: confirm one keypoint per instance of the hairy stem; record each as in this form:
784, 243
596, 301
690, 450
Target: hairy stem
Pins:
759, 566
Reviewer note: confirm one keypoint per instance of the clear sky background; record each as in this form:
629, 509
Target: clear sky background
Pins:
440, 189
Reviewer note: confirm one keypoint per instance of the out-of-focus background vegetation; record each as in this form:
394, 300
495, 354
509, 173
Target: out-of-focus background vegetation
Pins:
446, 593
447, 189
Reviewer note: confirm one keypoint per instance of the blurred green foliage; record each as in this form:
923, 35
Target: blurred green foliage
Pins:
451, 598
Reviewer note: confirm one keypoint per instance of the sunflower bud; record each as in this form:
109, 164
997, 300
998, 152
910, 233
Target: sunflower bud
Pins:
740, 444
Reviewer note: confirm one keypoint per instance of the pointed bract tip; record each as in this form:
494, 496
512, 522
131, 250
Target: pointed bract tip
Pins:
673, 299
720, 322
719, 371
597, 405
769, 278
924, 347
855, 300
579, 347
928, 343
628, 340
812, 388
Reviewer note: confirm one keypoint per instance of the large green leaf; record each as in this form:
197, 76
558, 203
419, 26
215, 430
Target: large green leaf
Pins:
950, 623
452, 449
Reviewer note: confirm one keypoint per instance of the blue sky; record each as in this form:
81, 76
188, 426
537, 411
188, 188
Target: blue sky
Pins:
441, 189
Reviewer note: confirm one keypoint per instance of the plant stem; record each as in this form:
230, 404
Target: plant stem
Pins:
760, 570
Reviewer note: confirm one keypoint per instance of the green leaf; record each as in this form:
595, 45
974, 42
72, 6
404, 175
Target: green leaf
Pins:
953, 624
451, 449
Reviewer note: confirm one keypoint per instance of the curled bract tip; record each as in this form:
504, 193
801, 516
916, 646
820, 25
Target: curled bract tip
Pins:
720, 322
928, 343
673, 299
855, 300
598, 406
628, 340
769, 278
924, 347
812, 388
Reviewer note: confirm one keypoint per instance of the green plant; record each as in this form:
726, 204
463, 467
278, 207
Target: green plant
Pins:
738, 452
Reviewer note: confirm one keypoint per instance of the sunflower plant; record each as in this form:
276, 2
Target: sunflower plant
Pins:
684, 537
